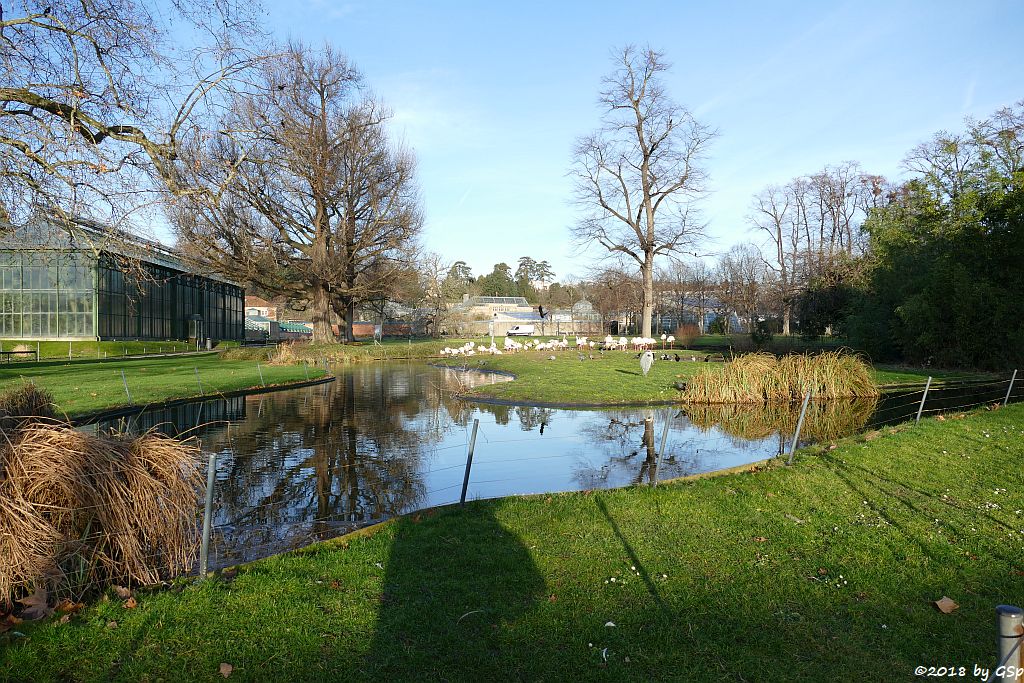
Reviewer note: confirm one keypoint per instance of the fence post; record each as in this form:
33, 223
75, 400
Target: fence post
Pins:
469, 463
661, 451
204, 549
920, 408
799, 426
199, 381
260, 370
1009, 389
37, 352
1011, 633
125, 382
69, 350
305, 368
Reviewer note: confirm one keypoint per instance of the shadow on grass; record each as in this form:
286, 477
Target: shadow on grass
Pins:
455, 581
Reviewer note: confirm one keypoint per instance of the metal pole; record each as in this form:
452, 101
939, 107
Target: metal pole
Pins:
199, 381
1011, 633
799, 426
260, 370
37, 352
305, 367
69, 350
204, 550
661, 451
920, 408
1009, 389
125, 381
469, 462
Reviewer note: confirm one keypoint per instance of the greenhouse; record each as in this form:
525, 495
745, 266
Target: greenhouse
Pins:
83, 284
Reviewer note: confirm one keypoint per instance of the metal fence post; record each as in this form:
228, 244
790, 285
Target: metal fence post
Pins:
469, 462
260, 370
1009, 389
204, 550
1011, 633
920, 408
305, 368
125, 382
799, 426
199, 381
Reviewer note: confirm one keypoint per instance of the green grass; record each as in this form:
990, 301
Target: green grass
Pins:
85, 386
611, 378
92, 350
822, 571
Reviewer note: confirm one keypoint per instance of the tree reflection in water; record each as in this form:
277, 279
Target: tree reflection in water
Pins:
306, 464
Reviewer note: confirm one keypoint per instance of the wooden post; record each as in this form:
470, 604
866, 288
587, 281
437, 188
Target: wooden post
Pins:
920, 408
469, 462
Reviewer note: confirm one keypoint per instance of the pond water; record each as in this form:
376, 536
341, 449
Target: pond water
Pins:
306, 464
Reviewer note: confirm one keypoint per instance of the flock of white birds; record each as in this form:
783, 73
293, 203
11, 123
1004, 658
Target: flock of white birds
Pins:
510, 345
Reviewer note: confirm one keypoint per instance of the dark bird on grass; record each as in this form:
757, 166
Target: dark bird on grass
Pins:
646, 361
678, 358
680, 386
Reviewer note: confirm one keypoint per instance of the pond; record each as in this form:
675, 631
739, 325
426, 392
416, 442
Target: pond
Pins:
306, 464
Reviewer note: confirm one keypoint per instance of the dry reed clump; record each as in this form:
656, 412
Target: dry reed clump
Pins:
825, 420
78, 510
761, 377
285, 355
24, 403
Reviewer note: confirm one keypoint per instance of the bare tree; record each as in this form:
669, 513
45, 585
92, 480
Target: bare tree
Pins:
638, 175
741, 275
93, 106
319, 204
771, 214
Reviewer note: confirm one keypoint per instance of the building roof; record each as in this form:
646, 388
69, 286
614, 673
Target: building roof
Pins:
295, 327
257, 302
505, 300
85, 235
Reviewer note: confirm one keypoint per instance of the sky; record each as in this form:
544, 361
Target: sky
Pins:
491, 97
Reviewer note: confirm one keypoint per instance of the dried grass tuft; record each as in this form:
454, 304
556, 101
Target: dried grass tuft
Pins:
24, 403
80, 510
285, 355
761, 378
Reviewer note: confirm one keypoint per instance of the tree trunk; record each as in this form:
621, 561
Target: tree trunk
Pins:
786, 314
647, 271
349, 316
321, 309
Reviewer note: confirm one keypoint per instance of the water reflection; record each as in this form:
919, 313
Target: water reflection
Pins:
306, 464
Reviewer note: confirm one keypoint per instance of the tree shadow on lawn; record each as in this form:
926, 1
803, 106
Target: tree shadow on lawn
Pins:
454, 582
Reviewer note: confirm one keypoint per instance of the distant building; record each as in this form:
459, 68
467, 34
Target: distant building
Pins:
89, 282
256, 306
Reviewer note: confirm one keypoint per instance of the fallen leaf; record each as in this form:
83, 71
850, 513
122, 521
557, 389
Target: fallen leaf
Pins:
65, 619
66, 605
130, 604
122, 592
226, 669
760, 539
610, 624
36, 605
111, 624
552, 598
9, 622
946, 605
822, 571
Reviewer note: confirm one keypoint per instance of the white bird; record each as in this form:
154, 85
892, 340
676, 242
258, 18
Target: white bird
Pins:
646, 361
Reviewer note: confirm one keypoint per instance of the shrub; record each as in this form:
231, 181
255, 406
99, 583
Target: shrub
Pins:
685, 334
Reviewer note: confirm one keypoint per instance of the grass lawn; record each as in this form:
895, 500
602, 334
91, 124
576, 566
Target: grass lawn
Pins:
823, 571
84, 386
614, 377
91, 350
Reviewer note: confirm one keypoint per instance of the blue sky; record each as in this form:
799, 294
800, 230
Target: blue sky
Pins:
491, 96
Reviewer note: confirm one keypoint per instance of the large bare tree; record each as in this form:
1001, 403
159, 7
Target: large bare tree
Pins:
638, 175
94, 99
318, 204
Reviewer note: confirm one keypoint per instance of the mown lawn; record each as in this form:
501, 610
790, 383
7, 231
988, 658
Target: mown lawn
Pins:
84, 386
826, 570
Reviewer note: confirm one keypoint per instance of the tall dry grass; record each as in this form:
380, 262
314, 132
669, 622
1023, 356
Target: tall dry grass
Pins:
761, 377
80, 510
